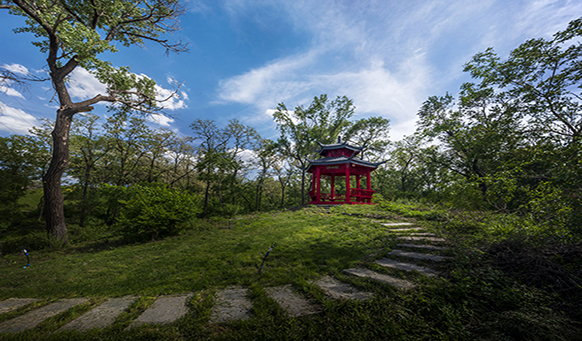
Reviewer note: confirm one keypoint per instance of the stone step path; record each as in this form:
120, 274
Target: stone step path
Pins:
424, 239
406, 229
232, 304
396, 224
341, 291
390, 263
424, 247
166, 309
366, 273
37, 316
101, 316
15, 303
291, 302
417, 255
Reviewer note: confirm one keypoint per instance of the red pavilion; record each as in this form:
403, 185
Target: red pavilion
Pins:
339, 161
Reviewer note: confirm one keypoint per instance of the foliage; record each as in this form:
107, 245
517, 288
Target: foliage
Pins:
22, 162
154, 212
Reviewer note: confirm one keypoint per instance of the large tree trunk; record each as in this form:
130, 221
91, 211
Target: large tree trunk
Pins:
53, 194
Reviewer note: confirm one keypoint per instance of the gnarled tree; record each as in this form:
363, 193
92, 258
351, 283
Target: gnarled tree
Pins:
73, 34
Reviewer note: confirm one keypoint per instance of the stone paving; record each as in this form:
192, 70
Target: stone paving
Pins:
416, 255
101, 316
365, 273
291, 302
233, 303
15, 303
425, 247
424, 239
166, 309
390, 263
341, 291
35, 317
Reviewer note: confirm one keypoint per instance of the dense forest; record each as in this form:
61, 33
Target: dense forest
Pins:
509, 142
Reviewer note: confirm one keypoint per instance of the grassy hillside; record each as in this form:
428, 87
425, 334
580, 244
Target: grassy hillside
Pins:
477, 297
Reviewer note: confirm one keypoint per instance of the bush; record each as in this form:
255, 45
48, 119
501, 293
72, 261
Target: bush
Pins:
32, 241
156, 212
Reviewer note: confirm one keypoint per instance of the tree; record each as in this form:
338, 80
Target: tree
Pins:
322, 121
21, 162
73, 34
372, 133
88, 147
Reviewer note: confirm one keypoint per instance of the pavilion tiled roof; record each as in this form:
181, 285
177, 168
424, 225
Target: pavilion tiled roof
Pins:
339, 160
340, 145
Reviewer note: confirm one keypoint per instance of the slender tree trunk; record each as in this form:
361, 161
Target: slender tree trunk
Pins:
54, 206
206, 198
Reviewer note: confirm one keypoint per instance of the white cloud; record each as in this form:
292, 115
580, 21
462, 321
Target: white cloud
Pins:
160, 119
16, 68
15, 120
83, 85
169, 99
10, 91
386, 56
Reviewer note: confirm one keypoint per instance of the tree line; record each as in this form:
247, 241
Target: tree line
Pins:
509, 141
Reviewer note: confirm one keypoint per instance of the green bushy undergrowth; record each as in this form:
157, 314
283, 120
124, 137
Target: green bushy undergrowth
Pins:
156, 212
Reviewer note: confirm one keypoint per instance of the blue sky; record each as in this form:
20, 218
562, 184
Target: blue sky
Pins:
246, 56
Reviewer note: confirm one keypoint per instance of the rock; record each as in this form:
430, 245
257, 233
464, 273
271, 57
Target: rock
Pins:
294, 304
35, 317
166, 309
231, 304
395, 282
341, 291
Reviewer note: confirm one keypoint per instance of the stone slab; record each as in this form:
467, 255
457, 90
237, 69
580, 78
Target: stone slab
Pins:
101, 316
390, 263
15, 303
417, 255
35, 317
424, 247
341, 291
422, 234
424, 239
366, 273
293, 303
232, 304
397, 224
166, 309
406, 229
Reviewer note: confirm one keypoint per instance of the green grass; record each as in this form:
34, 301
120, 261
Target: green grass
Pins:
309, 244
31, 200
473, 300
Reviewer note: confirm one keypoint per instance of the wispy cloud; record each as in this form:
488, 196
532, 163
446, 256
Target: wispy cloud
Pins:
15, 120
10, 91
17, 69
387, 56
83, 85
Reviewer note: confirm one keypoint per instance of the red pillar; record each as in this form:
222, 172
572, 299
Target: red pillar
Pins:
347, 182
333, 187
368, 185
318, 188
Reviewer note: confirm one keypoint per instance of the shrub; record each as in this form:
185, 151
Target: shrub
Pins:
156, 212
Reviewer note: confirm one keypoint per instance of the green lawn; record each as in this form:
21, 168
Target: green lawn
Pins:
308, 244
472, 300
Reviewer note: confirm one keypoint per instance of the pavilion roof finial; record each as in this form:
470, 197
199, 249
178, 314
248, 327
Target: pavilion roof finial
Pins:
339, 139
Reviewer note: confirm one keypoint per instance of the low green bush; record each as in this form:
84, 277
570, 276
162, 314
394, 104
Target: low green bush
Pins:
36, 240
156, 212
